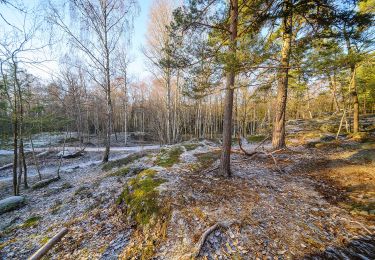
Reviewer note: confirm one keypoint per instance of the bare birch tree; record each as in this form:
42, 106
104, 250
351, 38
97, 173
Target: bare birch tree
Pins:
103, 25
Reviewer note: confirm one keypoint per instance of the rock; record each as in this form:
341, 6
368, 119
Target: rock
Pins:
11, 203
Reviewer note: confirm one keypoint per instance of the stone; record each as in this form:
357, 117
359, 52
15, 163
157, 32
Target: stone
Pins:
11, 203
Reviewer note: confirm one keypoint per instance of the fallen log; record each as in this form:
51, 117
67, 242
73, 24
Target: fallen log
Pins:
43, 183
6, 166
47, 246
74, 155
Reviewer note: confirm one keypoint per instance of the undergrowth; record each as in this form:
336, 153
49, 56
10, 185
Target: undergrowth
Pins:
168, 157
140, 198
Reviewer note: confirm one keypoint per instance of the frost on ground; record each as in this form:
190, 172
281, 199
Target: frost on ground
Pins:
172, 205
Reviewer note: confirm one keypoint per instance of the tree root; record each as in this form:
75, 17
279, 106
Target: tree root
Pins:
270, 154
198, 247
359, 224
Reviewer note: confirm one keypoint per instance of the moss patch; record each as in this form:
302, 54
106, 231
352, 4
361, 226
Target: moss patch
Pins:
255, 138
124, 161
121, 172
142, 203
190, 147
31, 222
126, 171
44, 240
207, 159
140, 197
168, 157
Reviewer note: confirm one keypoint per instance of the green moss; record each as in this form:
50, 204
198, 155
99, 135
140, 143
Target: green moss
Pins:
121, 172
44, 240
140, 196
124, 161
31, 222
207, 159
255, 138
168, 157
190, 147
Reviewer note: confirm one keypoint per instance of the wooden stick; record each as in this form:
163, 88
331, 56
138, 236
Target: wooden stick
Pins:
44, 249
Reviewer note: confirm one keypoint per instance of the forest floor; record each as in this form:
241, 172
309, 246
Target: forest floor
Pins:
317, 202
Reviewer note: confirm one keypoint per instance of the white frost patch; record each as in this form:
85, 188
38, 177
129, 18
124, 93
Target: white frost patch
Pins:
5, 152
188, 157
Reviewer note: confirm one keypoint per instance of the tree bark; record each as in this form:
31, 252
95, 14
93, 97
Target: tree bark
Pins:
224, 169
108, 90
278, 136
355, 103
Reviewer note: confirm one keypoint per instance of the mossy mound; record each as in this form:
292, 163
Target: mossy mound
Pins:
124, 161
127, 171
140, 197
191, 146
205, 160
169, 157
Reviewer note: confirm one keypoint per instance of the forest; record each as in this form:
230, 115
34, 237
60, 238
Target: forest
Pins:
187, 129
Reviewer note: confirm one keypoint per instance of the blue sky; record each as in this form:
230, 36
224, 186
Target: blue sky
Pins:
137, 67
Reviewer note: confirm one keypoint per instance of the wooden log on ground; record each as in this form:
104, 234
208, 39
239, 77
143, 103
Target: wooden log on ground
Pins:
74, 155
43, 183
47, 246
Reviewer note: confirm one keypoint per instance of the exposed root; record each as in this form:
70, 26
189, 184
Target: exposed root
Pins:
359, 224
198, 247
270, 154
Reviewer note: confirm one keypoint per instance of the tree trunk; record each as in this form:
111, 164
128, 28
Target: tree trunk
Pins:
108, 93
15, 151
278, 136
168, 107
228, 102
24, 164
355, 103
35, 159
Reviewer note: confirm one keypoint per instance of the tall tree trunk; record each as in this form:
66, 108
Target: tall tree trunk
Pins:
278, 136
354, 96
24, 164
229, 89
15, 146
108, 93
168, 106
